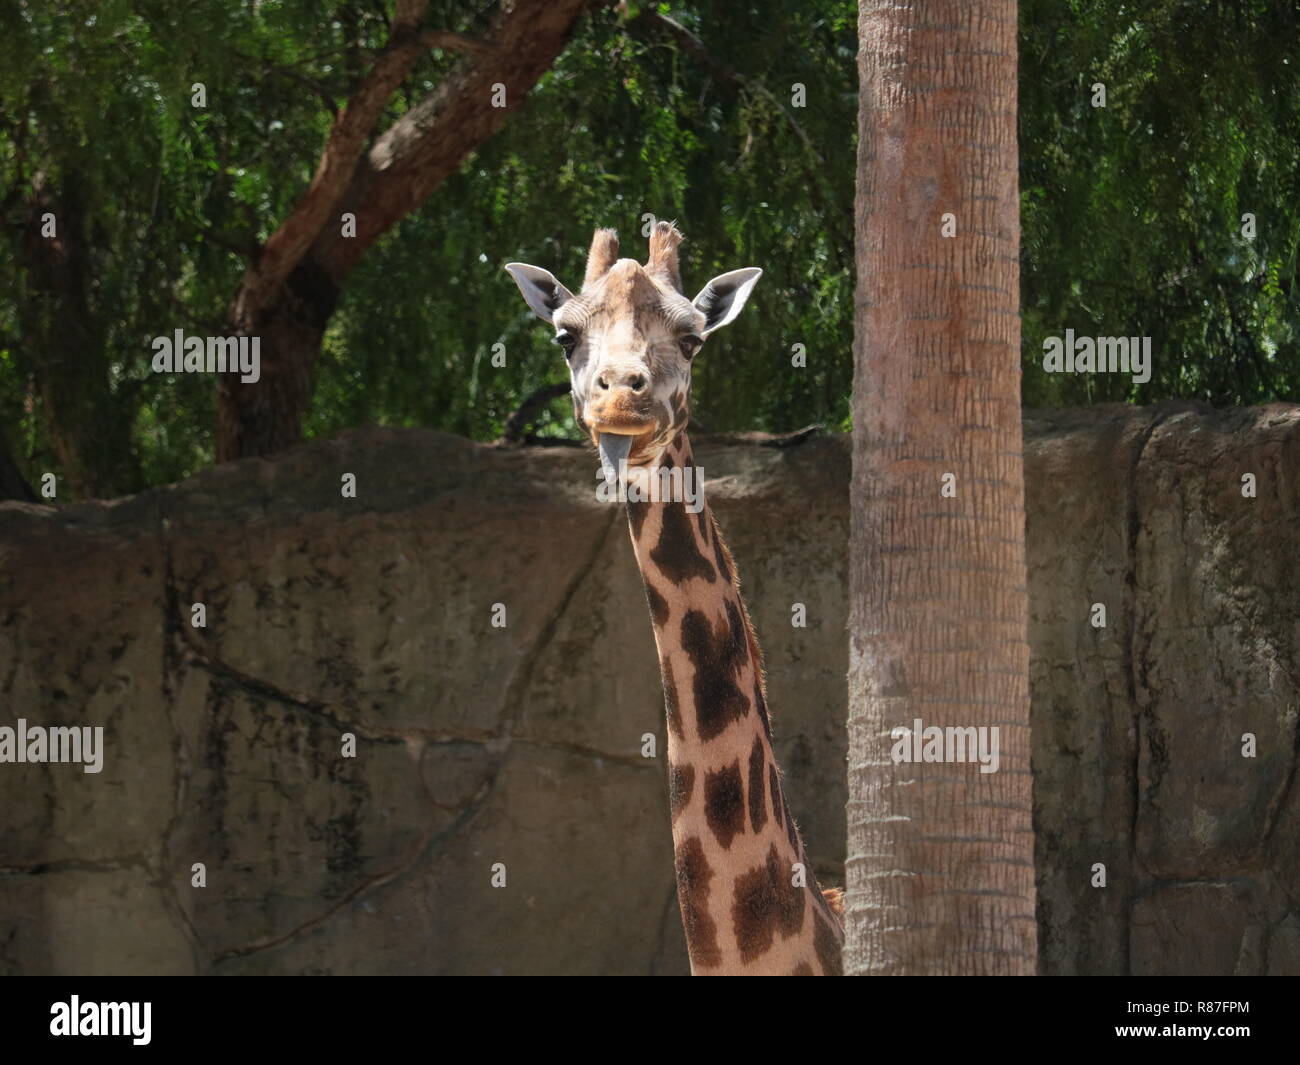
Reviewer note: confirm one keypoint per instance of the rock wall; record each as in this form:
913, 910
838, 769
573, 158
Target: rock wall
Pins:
1138, 728
476, 745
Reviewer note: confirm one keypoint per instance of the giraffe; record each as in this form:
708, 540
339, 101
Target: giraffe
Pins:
749, 901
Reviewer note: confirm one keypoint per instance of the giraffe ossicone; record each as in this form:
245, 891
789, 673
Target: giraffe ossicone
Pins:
749, 901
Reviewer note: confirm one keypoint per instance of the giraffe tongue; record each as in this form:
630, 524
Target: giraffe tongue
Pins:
614, 448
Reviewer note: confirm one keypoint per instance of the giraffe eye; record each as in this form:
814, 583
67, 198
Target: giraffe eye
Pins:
690, 344
568, 341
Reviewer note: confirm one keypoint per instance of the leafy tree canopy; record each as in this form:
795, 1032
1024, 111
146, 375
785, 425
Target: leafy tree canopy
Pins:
736, 120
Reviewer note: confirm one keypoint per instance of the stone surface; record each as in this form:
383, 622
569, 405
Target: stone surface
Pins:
476, 745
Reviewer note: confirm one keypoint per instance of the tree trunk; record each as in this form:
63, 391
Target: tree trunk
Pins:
290, 292
12, 483
940, 862
265, 416
63, 348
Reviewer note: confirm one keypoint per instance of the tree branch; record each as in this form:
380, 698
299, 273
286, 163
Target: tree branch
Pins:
288, 295
429, 143
344, 145
408, 14
454, 42
513, 432
649, 23
795, 438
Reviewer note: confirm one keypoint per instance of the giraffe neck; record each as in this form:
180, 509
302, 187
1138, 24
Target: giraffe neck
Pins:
749, 901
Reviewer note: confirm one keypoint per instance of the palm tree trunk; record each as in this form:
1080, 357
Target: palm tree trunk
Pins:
940, 863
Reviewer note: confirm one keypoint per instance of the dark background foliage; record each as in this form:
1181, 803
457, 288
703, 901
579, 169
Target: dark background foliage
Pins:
1131, 213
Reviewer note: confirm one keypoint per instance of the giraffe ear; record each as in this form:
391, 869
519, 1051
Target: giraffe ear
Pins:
544, 294
723, 297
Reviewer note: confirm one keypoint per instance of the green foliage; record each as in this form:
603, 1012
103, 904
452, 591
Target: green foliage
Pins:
1130, 214
99, 97
620, 128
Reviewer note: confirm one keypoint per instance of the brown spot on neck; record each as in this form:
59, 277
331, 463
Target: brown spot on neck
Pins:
766, 904
693, 876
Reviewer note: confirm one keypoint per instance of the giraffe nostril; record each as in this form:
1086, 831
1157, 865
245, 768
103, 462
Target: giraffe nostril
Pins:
637, 383
602, 383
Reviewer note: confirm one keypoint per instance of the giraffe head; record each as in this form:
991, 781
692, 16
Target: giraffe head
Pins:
629, 337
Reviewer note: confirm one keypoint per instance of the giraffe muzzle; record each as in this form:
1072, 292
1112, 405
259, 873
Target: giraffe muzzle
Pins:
621, 410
